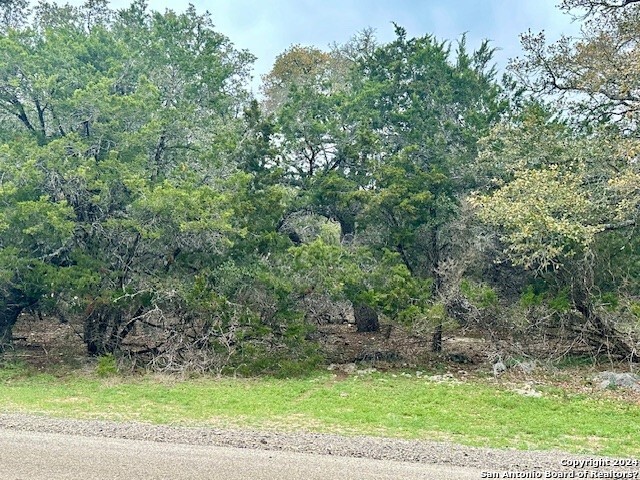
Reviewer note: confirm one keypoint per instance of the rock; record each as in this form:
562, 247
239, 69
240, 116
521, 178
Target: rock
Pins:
499, 368
527, 366
615, 380
447, 377
366, 371
459, 358
347, 368
528, 390
379, 356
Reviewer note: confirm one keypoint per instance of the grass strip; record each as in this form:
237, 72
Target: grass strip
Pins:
472, 413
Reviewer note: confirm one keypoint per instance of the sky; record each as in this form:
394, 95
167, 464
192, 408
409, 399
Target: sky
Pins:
266, 28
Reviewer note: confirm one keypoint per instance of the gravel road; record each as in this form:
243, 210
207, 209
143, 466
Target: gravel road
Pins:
440, 455
52, 456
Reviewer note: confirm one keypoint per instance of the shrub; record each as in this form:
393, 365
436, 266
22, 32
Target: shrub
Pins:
107, 365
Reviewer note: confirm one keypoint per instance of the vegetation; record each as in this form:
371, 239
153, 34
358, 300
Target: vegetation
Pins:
185, 226
402, 405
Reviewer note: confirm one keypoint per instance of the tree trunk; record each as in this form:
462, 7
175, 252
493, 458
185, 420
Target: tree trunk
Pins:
436, 339
606, 333
94, 336
10, 309
100, 329
366, 318
105, 328
347, 228
607, 336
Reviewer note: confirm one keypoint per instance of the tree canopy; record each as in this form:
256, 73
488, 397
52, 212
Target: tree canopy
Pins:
148, 198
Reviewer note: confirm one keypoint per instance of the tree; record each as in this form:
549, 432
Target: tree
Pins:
565, 191
427, 112
308, 89
593, 6
319, 143
297, 67
118, 130
13, 13
371, 135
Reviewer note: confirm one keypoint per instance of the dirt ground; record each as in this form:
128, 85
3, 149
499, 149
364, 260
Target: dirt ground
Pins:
395, 346
46, 341
46, 344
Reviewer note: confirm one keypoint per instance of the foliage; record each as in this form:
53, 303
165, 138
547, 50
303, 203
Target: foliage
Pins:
371, 136
563, 192
106, 366
117, 130
481, 295
145, 196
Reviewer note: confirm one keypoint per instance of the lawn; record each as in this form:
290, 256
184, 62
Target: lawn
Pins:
474, 412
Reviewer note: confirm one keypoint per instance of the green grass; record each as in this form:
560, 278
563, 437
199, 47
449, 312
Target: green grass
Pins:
474, 413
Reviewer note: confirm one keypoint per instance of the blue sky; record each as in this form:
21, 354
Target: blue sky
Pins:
266, 28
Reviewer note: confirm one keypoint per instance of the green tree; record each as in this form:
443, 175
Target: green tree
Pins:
427, 112
118, 131
371, 136
564, 192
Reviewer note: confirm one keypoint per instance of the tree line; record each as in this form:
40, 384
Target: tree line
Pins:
147, 196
